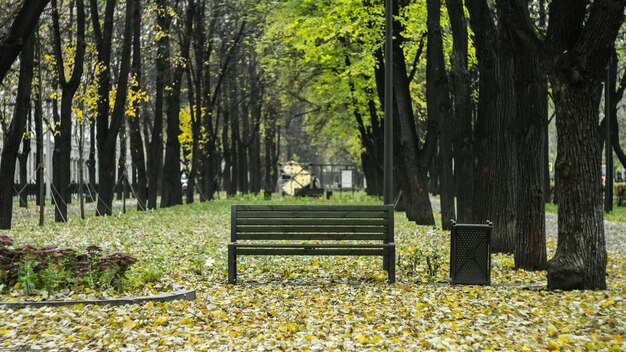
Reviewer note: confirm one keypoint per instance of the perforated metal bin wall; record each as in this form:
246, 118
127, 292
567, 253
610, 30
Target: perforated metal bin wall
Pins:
470, 254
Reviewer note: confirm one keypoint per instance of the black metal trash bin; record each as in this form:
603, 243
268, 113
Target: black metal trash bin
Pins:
470, 254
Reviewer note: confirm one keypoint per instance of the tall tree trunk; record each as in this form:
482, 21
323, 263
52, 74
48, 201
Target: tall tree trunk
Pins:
155, 152
532, 118
14, 135
38, 120
532, 130
107, 133
172, 188
485, 41
61, 158
136, 142
505, 180
195, 96
439, 108
580, 259
463, 141
414, 162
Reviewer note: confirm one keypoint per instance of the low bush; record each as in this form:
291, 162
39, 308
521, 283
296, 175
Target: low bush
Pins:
54, 269
619, 191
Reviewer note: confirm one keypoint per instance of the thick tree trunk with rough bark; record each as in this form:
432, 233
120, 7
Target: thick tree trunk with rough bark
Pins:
439, 108
38, 121
172, 187
485, 41
61, 158
414, 161
107, 133
155, 152
502, 209
576, 52
463, 141
531, 138
532, 117
495, 177
580, 259
136, 142
13, 137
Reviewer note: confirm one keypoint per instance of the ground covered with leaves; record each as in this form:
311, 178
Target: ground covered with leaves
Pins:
304, 303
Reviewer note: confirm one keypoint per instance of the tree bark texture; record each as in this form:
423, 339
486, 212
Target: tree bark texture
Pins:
580, 259
532, 119
504, 197
414, 162
172, 188
439, 108
107, 133
12, 43
61, 158
38, 120
495, 177
136, 142
14, 135
485, 41
576, 51
155, 152
462, 126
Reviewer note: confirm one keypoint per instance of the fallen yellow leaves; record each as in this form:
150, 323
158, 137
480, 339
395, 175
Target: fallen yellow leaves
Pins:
301, 303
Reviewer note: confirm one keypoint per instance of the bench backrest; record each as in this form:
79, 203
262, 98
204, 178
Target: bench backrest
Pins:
312, 222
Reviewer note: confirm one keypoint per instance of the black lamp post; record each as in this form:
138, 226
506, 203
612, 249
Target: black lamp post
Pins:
388, 163
608, 159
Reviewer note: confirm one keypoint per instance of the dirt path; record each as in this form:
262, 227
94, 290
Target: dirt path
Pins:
615, 232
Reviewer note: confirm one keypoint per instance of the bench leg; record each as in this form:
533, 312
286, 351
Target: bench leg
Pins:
232, 264
391, 262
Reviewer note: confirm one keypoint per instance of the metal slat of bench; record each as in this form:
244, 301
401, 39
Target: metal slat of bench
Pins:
311, 214
311, 251
311, 229
308, 245
243, 208
312, 236
300, 221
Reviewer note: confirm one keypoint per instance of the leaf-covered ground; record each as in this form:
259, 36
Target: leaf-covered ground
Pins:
306, 303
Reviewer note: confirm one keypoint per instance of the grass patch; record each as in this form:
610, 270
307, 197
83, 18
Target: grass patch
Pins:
617, 215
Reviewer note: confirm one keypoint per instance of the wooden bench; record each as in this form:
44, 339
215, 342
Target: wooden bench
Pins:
326, 230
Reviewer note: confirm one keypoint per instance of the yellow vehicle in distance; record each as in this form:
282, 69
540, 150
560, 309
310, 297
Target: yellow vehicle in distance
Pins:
297, 180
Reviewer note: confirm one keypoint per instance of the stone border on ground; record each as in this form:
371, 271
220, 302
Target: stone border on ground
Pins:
179, 294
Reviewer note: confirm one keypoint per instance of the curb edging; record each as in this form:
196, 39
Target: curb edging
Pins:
182, 294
